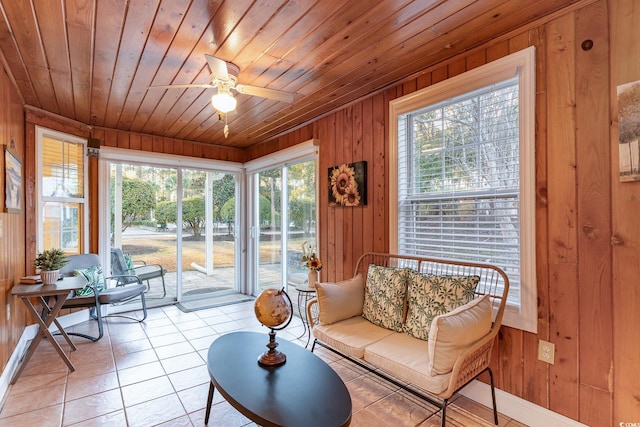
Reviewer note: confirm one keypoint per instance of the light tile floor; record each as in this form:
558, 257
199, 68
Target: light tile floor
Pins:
154, 374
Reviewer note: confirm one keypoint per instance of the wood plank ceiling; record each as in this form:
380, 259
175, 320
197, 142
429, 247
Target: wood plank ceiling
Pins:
92, 60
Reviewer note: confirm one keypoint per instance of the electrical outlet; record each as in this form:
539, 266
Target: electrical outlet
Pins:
546, 351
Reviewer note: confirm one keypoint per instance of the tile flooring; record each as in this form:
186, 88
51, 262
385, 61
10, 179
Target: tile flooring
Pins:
154, 373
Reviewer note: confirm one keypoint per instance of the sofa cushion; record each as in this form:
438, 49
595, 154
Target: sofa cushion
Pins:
405, 357
351, 336
339, 301
94, 277
452, 333
384, 296
430, 295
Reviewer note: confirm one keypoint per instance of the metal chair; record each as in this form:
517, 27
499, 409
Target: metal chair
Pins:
120, 293
143, 271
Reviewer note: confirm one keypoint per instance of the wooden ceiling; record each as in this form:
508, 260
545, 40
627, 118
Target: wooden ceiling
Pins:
92, 60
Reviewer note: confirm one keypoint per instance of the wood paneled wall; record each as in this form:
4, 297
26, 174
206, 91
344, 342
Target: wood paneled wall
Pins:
625, 66
588, 291
13, 314
587, 237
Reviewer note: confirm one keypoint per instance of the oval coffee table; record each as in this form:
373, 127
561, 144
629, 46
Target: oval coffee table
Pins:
304, 391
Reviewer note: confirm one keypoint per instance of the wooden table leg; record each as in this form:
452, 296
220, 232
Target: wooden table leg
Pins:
60, 328
43, 331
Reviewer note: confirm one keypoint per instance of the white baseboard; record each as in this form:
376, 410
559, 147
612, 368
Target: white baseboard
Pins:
517, 408
27, 336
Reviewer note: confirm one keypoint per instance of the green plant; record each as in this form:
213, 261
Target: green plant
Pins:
51, 259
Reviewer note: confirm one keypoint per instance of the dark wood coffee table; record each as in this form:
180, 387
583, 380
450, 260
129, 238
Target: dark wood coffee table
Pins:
304, 391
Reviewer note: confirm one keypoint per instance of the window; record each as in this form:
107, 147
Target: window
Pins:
464, 174
62, 194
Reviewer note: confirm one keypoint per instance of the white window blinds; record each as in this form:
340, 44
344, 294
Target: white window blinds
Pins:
459, 179
62, 194
62, 168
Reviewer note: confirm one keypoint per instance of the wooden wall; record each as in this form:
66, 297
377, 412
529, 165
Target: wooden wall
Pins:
587, 236
12, 262
588, 290
625, 66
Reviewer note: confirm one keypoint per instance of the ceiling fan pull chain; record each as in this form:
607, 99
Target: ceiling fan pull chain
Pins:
226, 126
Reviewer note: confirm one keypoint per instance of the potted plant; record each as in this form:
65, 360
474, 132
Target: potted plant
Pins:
49, 262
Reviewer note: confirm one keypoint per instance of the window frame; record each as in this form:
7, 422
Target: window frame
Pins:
83, 229
521, 65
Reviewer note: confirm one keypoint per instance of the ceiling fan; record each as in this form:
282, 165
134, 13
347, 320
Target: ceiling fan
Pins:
224, 78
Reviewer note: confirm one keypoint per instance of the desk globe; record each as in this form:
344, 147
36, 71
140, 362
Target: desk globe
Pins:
274, 310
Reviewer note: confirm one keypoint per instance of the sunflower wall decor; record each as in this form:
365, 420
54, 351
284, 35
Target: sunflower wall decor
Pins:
348, 184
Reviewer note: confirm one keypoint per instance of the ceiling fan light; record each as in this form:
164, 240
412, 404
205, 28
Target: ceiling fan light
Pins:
223, 102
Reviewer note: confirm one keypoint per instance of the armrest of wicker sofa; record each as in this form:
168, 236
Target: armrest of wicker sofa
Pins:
312, 312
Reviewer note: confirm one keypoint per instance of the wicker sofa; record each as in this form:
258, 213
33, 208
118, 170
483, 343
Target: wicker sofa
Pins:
428, 325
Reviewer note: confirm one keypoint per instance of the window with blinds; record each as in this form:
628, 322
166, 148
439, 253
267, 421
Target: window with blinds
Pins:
462, 174
62, 198
459, 184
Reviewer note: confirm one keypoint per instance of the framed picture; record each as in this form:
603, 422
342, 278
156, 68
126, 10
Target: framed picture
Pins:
629, 127
12, 182
348, 184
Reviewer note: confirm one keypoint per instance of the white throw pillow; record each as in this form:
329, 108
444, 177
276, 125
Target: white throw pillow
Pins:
452, 333
339, 301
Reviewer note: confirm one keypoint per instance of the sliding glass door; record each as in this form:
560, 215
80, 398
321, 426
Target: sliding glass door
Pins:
181, 218
285, 200
208, 238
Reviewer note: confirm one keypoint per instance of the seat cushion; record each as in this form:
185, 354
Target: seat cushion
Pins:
351, 336
453, 333
146, 272
430, 295
406, 358
119, 293
384, 296
339, 301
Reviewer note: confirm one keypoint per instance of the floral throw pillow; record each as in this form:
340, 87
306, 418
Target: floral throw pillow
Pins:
430, 295
384, 296
93, 275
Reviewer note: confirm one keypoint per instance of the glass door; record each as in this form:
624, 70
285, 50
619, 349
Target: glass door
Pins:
142, 222
269, 229
180, 219
286, 220
208, 238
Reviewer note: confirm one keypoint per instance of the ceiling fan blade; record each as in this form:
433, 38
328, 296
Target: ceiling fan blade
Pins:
218, 67
264, 92
203, 85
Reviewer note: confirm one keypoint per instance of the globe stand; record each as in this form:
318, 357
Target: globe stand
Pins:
272, 357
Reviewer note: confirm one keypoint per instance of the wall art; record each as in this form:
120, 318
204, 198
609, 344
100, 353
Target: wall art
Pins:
348, 184
12, 182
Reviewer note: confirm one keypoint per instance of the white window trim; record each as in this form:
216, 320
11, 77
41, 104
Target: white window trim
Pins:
42, 132
522, 65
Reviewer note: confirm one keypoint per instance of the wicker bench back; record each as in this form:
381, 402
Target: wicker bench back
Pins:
493, 280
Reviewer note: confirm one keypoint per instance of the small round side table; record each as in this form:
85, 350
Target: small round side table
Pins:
305, 293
